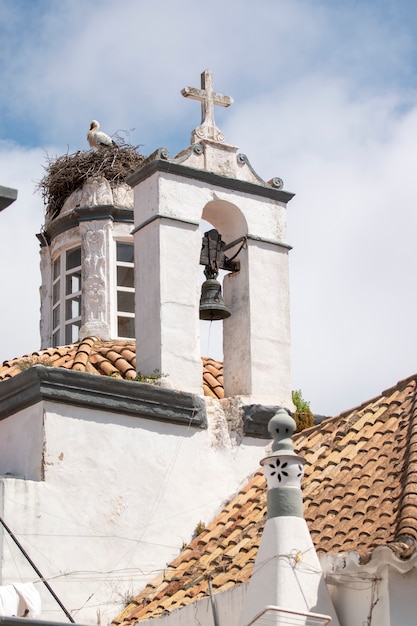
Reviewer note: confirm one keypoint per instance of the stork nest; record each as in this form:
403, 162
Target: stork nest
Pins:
67, 173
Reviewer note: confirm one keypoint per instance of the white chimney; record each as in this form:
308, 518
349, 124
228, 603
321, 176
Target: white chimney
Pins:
287, 584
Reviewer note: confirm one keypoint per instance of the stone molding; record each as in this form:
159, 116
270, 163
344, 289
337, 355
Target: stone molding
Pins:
70, 220
40, 383
256, 419
226, 182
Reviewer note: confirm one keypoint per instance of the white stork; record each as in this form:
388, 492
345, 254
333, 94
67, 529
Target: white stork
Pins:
96, 138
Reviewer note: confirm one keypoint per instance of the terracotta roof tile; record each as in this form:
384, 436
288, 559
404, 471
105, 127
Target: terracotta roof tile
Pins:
359, 489
107, 358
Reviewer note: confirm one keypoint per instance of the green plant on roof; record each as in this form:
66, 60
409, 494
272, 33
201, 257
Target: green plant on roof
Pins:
199, 528
126, 596
29, 361
303, 416
153, 379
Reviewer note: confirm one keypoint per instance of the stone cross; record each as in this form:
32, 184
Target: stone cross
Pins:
208, 98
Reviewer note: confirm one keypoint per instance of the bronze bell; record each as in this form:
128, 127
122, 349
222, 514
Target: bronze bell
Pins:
212, 306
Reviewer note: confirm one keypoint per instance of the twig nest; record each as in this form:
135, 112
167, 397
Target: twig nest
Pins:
69, 172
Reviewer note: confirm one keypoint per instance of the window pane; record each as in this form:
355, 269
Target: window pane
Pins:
73, 258
126, 301
56, 317
71, 332
125, 252
55, 292
73, 308
73, 283
126, 327
125, 277
55, 339
57, 267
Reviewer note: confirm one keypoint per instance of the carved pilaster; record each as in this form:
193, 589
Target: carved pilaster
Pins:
45, 292
95, 276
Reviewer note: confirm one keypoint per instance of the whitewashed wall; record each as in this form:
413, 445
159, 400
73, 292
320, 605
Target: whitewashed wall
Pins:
381, 592
119, 497
228, 606
366, 596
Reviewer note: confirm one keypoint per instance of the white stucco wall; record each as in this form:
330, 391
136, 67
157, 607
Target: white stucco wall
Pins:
375, 594
381, 592
21, 444
119, 497
256, 338
228, 607
402, 593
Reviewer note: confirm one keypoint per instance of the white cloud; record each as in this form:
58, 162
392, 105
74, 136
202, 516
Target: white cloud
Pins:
19, 267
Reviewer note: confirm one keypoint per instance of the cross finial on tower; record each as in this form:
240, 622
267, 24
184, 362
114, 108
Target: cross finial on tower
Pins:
208, 98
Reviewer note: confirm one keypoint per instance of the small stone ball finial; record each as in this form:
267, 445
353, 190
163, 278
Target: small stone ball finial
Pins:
281, 427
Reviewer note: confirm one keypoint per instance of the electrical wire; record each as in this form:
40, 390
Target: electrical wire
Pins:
33, 565
93, 534
156, 503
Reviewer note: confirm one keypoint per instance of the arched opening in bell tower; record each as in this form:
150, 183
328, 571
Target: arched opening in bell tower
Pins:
231, 225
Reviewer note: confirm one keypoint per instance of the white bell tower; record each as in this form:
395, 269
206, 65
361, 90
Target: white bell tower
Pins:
210, 180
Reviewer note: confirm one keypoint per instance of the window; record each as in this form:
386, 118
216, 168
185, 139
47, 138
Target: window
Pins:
66, 297
125, 290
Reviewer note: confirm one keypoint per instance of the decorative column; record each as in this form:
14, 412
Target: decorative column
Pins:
95, 275
287, 579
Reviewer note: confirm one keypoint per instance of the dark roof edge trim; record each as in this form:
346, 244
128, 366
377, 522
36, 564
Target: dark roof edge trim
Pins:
27, 621
7, 196
256, 419
72, 219
100, 392
271, 242
159, 165
159, 216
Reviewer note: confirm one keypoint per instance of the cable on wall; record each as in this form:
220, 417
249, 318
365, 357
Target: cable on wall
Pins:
27, 557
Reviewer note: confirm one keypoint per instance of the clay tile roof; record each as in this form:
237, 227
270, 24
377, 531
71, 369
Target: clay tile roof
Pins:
359, 489
108, 358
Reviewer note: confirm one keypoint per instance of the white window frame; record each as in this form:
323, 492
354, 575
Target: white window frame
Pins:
60, 322
122, 289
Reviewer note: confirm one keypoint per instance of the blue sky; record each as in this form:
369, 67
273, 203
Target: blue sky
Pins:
325, 97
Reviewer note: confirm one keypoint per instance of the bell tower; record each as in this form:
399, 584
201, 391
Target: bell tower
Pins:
210, 180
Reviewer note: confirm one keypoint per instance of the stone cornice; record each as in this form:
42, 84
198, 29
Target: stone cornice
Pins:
226, 182
82, 214
40, 383
256, 419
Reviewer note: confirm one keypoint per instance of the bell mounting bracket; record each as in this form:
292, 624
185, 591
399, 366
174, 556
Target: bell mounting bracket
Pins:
213, 257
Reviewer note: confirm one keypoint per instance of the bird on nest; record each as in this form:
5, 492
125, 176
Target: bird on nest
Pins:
97, 139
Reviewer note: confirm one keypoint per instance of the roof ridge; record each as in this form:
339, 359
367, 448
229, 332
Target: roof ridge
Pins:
400, 385
407, 522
